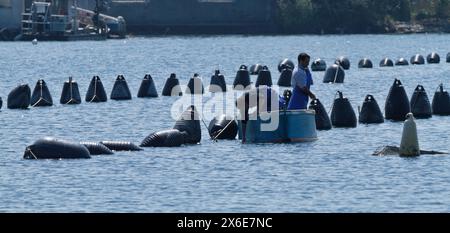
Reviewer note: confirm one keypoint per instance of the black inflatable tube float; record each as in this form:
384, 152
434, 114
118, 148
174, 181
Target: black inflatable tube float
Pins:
420, 104
120, 89
441, 102
121, 146
334, 74
147, 88
96, 148
402, 62
319, 65
242, 79
344, 62
386, 62
365, 63
343, 115
217, 83
417, 60
285, 78
254, 69
195, 86
70, 93
433, 58
223, 128
51, 148
172, 86
285, 64
166, 138
370, 112
96, 92
189, 122
323, 121
264, 77
41, 95
19, 97
397, 103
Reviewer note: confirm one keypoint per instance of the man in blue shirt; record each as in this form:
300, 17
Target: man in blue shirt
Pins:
301, 83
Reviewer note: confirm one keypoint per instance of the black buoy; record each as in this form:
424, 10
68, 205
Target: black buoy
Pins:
166, 138
441, 102
365, 63
254, 69
120, 89
417, 60
172, 86
323, 121
189, 124
397, 103
285, 63
19, 97
264, 78
433, 58
319, 65
223, 128
96, 92
343, 115
96, 148
386, 62
217, 83
121, 146
370, 112
195, 86
402, 62
420, 104
50, 148
334, 74
242, 79
448, 57
344, 62
70, 93
41, 95
147, 88
285, 78
1, 102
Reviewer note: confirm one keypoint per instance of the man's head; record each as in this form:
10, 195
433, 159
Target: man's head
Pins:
303, 59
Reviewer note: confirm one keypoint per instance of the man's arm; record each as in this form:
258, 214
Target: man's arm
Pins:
308, 92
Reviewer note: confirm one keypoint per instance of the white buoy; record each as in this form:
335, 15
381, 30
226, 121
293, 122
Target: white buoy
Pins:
410, 142
34, 41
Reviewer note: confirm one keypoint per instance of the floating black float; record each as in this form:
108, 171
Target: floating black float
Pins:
433, 58
365, 63
195, 86
448, 57
323, 121
120, 89
172, 86
147, 88
96, 92
96, 148
397, 103
441, 102
217, 83
19, 97
386, 62
417, 60
254, 69
420, 104
242, 79
264, 78
121, 146
70, 93
1, 102
223, 127
370, 112
319, 65
166, 138
344, 62
402, 62
334, 74
50, 148
285, 63
189, 123
285, 78
41, 95
343, 115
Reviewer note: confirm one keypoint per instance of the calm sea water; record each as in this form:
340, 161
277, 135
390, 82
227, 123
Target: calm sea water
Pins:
334, 174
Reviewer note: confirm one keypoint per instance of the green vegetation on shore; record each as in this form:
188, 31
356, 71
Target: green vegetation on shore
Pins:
361, 16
